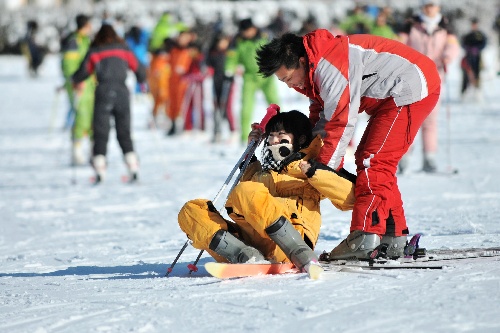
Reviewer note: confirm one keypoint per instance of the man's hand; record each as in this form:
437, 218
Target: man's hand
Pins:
304, 166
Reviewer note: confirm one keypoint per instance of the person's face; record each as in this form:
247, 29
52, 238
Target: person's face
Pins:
249, 33
294, 78
223, 44
431, 10
381, 20
87, 29
275, 138
184, 39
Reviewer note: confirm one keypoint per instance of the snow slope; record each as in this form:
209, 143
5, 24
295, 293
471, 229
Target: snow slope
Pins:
79, 258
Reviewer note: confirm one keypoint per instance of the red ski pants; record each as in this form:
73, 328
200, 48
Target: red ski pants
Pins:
390, 132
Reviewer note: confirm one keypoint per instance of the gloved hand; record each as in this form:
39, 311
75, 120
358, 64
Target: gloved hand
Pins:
256, 133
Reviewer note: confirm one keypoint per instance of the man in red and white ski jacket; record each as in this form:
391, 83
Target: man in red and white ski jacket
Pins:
344, 76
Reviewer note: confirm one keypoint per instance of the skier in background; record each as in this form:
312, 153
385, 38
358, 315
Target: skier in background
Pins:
246, 43
81, 97
430, 34
137, 40
164, 28
110, 59
159, 72
34, 52
358, 22
223, 86
275, 209
382, 29
473, 44
193, 108
180, 61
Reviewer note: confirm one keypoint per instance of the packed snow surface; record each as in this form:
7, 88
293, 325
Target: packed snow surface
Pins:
81, 258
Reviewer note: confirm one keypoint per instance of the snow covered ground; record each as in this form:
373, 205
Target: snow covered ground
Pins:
81, 258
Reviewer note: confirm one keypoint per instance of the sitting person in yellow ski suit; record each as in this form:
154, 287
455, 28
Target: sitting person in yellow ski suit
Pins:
276, 206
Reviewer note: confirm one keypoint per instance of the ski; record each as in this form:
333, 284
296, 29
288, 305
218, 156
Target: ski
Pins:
433, 259
458, 254
228, 271
360, 265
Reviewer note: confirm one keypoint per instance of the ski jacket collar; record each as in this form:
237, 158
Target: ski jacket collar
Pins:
312, 151
318, 43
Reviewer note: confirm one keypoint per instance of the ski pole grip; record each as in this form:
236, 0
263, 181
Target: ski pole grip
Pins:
271, 111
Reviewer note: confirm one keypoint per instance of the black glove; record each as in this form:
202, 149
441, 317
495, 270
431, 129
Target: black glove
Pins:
289, 159
342, 172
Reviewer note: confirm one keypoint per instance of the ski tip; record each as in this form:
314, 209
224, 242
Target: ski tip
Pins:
214, 269
227, 271
315, 272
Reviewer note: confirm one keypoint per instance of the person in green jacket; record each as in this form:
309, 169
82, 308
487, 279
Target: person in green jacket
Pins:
381, 28
81, 98
357, 23
164, 28
243, 53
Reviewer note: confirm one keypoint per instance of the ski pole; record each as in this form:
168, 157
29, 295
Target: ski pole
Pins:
192, 267
449, 167
55, 109
271, 111
159, 146
231, 174
177, 258
249, 151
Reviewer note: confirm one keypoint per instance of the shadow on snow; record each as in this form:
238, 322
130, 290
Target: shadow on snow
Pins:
138, 271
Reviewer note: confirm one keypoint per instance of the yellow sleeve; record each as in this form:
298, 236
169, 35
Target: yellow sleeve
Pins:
338, 190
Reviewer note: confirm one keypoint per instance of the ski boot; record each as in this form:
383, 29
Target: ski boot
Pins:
99, 165
358, 245
77, 156
295, 248
132, 165
429, 164
234, 250
395, 246
173, 129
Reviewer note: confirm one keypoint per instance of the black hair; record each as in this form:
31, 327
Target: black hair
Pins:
245, 24
135, 34
294, 122
285, 50
81, 21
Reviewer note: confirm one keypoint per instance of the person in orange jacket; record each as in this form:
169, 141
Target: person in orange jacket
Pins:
278, 194
159, 79
180, 61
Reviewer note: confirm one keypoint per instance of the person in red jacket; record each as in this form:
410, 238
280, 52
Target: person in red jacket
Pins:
344, 76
